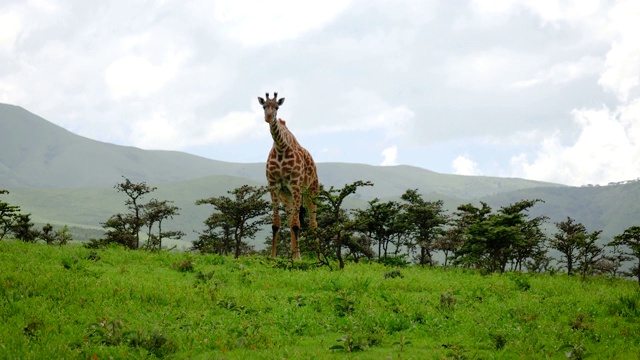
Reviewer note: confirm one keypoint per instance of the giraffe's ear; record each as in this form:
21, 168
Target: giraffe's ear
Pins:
260, 100
281, 101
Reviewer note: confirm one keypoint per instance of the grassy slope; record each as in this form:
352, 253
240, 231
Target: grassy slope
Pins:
70, 302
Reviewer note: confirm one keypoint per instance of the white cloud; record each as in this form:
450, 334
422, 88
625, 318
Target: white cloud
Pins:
260, 23
548, 11
237, 126
366, 110
49, 6
606, 150
160, 131
492, 69
622, 65
390, 156
391, 45
462, 165
495, 13
10, 90
563, 10
492, 7
11, 26
136, 75
485, 14
564, 72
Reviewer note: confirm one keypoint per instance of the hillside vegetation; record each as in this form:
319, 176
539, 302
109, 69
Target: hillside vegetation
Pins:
72, 302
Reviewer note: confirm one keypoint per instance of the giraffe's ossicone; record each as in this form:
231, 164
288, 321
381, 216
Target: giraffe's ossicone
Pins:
291, 175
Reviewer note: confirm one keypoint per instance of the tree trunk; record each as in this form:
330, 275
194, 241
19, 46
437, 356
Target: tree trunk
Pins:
569, 265
339, 251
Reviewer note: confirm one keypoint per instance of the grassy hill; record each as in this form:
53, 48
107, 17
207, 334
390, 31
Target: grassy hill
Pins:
72, 302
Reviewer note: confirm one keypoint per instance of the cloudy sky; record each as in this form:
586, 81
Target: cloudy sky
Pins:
546, 90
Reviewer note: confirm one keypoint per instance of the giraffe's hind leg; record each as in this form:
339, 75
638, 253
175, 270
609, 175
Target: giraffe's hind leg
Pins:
294, 221
311, 209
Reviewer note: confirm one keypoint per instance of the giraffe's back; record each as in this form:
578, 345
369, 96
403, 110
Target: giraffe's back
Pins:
292, 166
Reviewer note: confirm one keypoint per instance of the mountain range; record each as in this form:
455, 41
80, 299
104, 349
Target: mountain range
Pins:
63, 178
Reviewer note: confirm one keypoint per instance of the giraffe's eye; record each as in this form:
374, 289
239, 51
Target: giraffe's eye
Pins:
264, 107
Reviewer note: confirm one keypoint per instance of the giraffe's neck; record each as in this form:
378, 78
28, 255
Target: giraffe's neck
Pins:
282, 137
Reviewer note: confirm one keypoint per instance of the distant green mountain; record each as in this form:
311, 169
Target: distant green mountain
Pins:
612, 208
64, 178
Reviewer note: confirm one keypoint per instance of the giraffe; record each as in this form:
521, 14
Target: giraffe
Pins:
291, 175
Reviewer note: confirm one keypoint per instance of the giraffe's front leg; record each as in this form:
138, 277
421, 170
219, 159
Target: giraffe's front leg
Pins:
275, 222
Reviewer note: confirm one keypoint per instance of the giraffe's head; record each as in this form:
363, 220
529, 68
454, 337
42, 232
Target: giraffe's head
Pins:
271, 106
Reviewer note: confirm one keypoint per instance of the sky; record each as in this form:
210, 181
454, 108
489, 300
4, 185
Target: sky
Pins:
544, 90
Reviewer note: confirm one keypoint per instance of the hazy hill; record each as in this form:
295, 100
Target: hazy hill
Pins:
612, 208
37, 153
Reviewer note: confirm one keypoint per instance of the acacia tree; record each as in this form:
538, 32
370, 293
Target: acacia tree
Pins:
495, 239
568, 240
54, 237
23, 229
125, 228
8, 214
425, 221
457, 234
120, 229
134, 192
379, 222
612, 261
589, 254
469, 253
335, 227
217, 237
449, 243
531, 243
156, 211
630, 238
235, 220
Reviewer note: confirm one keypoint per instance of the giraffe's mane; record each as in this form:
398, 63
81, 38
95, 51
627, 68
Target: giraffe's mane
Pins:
285, 130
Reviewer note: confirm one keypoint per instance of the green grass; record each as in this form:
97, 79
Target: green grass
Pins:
73, 302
